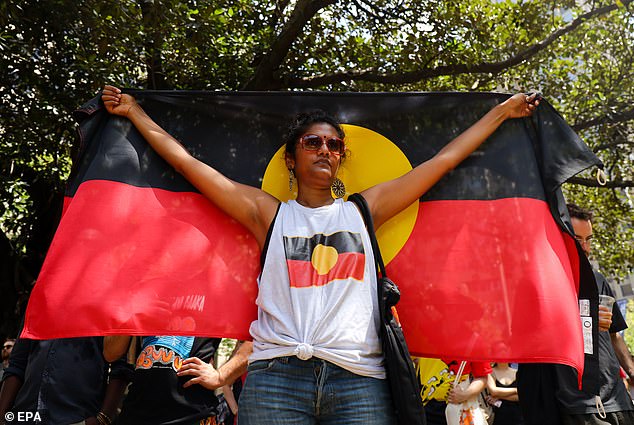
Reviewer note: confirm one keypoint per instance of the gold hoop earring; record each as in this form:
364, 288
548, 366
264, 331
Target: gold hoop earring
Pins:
291, 176
338, 188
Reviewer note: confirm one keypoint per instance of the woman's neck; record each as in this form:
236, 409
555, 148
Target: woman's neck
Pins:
504, 374
314, 198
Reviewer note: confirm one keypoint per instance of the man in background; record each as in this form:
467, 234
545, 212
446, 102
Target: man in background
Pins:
615, 405
61, 382
7, 346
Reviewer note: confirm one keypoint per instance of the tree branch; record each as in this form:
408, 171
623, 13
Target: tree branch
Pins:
367, 8
264, 77
279, 12
605, 146
372, 75
614, 118
153, 61
594, 183
381, 13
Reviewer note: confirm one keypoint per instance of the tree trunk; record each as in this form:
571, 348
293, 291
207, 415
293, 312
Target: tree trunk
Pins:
153, 43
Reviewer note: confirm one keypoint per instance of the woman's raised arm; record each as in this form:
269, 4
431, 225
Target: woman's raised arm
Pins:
389, 198
250, 206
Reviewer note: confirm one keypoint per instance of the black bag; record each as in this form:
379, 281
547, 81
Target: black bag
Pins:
398, 362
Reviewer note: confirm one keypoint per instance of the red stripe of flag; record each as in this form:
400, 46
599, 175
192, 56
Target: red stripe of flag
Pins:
487, 275
153, 259
302, 274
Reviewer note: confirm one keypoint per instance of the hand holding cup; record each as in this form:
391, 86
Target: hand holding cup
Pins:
606, 303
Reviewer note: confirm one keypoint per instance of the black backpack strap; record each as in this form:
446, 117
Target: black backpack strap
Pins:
265, 248
360, 202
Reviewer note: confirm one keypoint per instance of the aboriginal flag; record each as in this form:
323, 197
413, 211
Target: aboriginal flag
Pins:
487, 268
320, 259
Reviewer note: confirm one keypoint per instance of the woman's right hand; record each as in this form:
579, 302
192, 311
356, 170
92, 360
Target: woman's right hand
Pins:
116, 102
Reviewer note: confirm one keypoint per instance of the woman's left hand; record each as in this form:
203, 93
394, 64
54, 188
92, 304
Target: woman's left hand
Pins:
203, 374
521, 105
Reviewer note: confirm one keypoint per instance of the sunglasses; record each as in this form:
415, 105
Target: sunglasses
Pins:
313, 142
6, 347
581, 240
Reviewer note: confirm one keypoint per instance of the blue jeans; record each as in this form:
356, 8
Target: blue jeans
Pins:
290, 391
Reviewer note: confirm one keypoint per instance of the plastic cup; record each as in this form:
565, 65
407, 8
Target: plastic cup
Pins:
607, 301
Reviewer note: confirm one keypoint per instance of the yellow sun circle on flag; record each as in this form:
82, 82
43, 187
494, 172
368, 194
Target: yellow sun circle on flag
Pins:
324, 258
371, 159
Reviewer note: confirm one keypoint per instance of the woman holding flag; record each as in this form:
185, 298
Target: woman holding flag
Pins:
316, 353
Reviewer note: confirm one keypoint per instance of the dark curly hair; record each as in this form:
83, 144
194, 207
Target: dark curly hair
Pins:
579, 213
300, 124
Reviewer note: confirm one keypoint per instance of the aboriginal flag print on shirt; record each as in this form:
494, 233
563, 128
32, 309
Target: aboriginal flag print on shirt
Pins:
139, 251
320, 259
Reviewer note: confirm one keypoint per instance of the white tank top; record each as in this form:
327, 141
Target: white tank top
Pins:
317, 290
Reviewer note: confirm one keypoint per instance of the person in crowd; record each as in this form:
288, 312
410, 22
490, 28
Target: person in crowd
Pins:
625, 379
630, 381
229, 396
502, 390
437, 377
614, 405
316, 351
173, 380
228, 403
7, 346
61, 382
